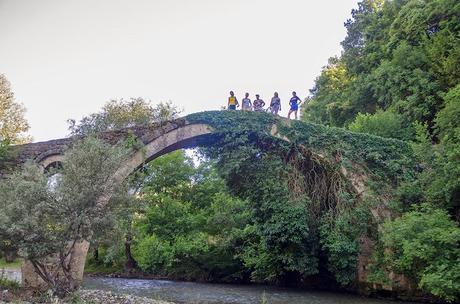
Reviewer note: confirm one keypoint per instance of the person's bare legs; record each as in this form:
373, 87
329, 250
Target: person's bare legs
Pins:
296, 114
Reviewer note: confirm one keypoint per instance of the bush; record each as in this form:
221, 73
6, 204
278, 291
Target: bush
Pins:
382, 123
424, 245
153, 255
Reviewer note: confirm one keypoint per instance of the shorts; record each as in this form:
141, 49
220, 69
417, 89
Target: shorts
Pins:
232, 107
294, 107
275, 108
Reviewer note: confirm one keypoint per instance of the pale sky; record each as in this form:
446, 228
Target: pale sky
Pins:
66, 58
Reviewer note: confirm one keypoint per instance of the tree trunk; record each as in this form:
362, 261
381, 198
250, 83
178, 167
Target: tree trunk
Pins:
96, 254
60, 273
130, 263
9, 255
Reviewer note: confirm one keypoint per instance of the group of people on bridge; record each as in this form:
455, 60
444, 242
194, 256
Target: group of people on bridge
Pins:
258, 104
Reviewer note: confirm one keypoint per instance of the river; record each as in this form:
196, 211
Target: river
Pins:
202, 293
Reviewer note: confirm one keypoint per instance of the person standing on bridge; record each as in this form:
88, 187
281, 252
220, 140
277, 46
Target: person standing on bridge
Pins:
259, 104
294, 103
275, 104
232, 101
246, 104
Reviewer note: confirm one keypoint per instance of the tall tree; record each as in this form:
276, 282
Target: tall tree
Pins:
13, 125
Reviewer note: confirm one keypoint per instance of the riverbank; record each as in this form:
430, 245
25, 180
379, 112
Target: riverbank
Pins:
80, 297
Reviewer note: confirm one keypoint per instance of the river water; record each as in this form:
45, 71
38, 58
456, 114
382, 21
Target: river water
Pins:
203, 293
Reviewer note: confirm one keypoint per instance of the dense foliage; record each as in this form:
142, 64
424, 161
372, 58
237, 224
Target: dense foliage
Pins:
188, 225
304, 210
398, 76
401, 56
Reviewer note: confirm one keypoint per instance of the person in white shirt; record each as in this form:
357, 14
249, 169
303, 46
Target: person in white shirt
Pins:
275, 104
246, 103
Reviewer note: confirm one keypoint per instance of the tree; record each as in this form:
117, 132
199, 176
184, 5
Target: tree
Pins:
13, 125
423, 244
190, 223
118, 114
398, 55
446, 184
46, 221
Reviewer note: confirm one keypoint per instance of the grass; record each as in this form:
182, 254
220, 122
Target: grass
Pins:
15, 265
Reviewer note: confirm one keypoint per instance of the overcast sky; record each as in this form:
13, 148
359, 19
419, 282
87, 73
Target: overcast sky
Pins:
66, 58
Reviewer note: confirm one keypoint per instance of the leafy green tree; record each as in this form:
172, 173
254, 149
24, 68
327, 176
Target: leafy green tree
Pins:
119, 114
190, 225
397, 55
424, 245
446, 185
13, 125
331, 87
46, 220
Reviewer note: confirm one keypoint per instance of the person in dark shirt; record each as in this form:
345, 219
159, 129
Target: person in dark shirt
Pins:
294, 104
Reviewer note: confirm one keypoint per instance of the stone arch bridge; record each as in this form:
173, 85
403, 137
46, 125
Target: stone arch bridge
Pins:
200, 129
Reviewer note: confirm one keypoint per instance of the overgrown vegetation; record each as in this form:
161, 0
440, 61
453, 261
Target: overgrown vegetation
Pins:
298, 194
284, 202
398, 73
261, 208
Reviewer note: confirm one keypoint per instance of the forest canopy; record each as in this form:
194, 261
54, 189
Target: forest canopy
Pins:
400, 56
